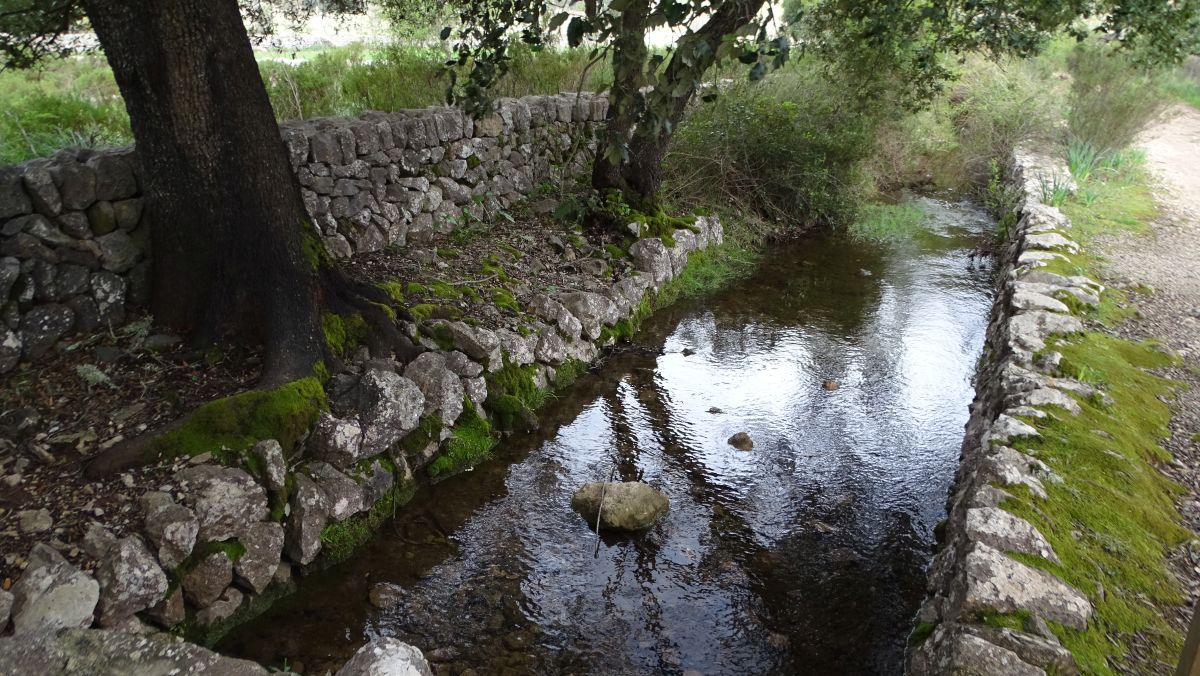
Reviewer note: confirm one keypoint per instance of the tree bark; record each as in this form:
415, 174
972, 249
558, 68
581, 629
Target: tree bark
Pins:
227, 218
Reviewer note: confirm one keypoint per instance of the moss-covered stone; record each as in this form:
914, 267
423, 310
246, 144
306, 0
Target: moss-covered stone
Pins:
1112, 520
513, 396
429, 429
339, 539
470, 441
394, 290
285, 414
503, 298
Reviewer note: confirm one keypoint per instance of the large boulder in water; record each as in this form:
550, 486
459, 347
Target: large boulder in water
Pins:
628, 505
386, 657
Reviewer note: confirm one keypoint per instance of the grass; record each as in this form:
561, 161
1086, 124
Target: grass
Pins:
1114, 194
471, 441
888, 222
75, 101
339, 539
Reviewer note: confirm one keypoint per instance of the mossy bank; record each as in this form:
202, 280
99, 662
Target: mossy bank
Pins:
1054, 555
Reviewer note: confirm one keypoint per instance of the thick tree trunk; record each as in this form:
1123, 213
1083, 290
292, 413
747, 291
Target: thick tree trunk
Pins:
637, 118
228, 222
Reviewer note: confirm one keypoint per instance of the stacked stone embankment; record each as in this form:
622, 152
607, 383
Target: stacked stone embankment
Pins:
973, 576
228, 529
75, 233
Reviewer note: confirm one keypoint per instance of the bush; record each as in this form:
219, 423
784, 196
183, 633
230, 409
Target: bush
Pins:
786, 149
1184, 83
1112, 99
1000, 104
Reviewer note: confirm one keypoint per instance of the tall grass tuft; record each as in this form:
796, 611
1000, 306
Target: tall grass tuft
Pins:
1001, 104
887, 222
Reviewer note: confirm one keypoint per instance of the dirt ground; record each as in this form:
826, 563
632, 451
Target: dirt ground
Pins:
1167, 259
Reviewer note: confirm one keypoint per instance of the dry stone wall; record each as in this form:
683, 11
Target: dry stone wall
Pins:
973, 576
74, 231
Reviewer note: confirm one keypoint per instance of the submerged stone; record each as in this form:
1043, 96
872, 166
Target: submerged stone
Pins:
628, 505
742, 442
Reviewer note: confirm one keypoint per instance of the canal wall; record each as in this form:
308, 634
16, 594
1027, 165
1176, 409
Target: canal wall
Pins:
988, 611
75, 236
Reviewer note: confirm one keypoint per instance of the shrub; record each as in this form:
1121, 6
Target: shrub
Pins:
1000, 104
786, 149
1112, 98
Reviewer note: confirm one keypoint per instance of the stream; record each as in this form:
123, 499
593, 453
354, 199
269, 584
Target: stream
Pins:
805, 555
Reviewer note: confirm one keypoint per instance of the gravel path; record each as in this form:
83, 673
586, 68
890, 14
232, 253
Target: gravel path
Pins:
1168, 260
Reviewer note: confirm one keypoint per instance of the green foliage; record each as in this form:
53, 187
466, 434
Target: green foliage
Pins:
709, 270
998, 105
787, 149
285, 413
1114, 195
470, 441
1112, 97
568, 372
1001, 198
1184, 83
75, 101
888, 222
346, 81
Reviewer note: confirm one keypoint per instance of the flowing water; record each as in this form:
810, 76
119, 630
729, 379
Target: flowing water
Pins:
804, 555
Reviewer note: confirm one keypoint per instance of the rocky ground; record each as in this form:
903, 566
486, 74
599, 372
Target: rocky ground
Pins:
1166, 260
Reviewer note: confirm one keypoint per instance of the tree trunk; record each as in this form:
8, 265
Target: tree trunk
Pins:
625, 104
638, 119
227, 218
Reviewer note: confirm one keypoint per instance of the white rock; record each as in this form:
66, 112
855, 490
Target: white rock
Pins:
386, 657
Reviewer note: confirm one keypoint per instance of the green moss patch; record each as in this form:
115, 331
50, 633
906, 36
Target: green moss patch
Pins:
339, 539
343, 335
1112, 520
503, 298
429, 429
394, 290
921, 633
513, 397
285, 413
470, 441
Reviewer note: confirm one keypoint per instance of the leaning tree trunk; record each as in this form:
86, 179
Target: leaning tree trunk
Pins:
227, 217
639, 174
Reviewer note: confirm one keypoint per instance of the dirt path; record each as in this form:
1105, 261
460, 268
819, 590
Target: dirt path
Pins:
1168, 260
